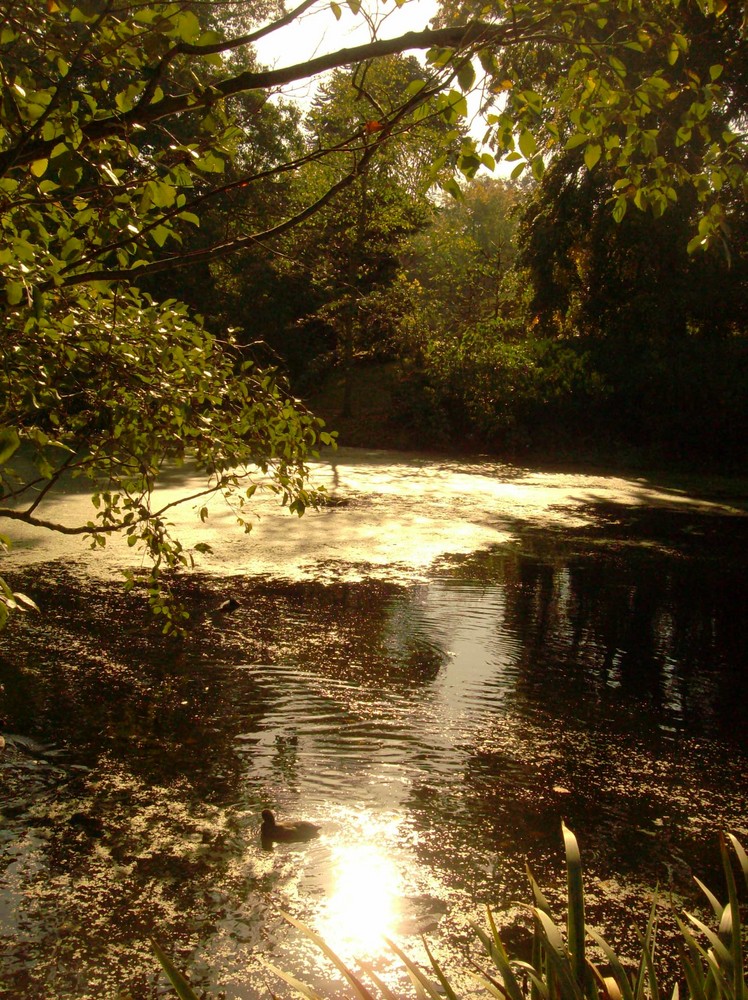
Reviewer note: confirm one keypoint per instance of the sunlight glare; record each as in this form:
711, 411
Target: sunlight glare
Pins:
363, 905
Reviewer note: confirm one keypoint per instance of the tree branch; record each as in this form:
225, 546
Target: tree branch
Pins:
223, 249
26, 517
462, 37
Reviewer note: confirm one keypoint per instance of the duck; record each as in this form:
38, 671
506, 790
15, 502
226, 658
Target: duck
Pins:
90, 825
227, 606
286, 833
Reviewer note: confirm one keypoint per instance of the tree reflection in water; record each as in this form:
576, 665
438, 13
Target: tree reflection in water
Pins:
439, 731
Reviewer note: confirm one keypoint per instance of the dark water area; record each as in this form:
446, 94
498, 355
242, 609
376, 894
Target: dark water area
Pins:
438, 725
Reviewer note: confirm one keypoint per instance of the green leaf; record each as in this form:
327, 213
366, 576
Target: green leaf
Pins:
160, 234
39, 167
336, 9
186, 26
576, 140
458, 104
533, 100
14, 292
527, 144
591, 155
9, 442
110, 173
466, 76
162, 195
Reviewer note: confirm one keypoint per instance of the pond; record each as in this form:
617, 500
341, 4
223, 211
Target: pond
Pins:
439, 666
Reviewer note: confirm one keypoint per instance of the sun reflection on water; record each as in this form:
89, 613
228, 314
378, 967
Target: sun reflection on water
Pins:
363, 905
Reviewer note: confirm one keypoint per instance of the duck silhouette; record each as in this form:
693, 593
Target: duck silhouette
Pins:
286, 833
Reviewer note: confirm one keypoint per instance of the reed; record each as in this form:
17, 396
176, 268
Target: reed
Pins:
711, 958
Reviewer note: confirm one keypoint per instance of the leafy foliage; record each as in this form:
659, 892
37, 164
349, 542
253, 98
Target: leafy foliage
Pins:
631, 85
349, 252
463, 259
129, 386
97, 379
486, 392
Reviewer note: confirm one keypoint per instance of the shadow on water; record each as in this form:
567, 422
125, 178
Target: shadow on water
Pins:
439, 730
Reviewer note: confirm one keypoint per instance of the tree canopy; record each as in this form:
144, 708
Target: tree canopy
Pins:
124, 125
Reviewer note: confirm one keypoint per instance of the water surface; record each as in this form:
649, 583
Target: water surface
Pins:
439, 666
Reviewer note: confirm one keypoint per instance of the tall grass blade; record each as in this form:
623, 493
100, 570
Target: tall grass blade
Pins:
721, 953
552, 935
714, 987
495, 948
415, 973
649, 966
575, 912
379, 983
495, 989
606, 985
510, 986
360, 990
536, 980
732, 890
725, 931
742, 856
694, 978
559, 961
306, 991
611, 988
539, 961
733, 935
620, 975
537, 893
183, 989
713, 901
702, 985
647, 957
722, 986
418, 988
446, 985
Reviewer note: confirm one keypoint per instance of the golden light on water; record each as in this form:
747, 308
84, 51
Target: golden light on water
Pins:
363, 905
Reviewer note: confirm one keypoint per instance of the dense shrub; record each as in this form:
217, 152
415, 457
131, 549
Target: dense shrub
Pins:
503, 396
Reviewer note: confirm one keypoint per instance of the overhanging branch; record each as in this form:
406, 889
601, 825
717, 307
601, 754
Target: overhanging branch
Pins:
461, 37
223, 249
